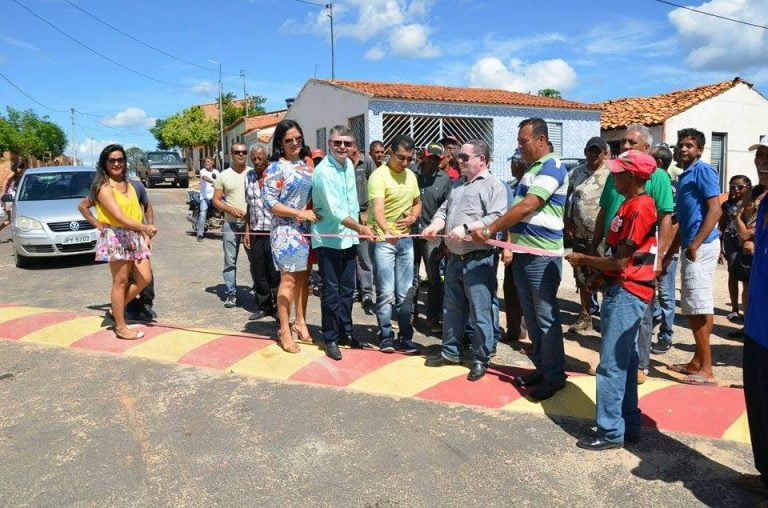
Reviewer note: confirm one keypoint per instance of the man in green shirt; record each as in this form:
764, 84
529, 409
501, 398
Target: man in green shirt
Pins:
638, 137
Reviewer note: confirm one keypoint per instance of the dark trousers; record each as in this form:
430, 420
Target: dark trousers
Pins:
337, 270
515, 328
755, 369
263, 272
428, 253
144, 300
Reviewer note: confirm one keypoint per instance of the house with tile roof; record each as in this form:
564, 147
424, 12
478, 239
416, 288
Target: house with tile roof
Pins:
731, 114
427, 113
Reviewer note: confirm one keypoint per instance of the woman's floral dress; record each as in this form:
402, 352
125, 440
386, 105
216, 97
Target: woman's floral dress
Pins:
290, 184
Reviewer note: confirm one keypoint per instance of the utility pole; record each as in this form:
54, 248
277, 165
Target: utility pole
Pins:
245, 94
333, 51
74, 137
221, 119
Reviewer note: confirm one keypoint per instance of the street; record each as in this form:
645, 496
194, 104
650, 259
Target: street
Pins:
81, 427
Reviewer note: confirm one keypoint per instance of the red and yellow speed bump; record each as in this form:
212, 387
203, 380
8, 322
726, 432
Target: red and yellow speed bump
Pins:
713, 412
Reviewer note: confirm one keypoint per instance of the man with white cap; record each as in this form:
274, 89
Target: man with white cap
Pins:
630, 275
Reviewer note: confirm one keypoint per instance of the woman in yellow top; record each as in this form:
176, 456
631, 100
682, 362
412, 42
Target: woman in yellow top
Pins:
125, 242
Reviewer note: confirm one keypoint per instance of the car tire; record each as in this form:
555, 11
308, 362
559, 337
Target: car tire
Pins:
184, 183
23, 261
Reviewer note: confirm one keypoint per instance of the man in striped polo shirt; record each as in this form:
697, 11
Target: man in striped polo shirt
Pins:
536, 220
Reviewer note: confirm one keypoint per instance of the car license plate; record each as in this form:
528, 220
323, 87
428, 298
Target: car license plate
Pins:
169, 179
70, 239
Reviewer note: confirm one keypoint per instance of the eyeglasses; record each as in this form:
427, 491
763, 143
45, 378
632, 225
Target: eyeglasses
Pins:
339, 142
293, 141
240, 152
116, 160
464, 157
403, 158
737, 186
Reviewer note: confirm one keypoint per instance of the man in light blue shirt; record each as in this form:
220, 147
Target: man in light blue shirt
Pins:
334, 197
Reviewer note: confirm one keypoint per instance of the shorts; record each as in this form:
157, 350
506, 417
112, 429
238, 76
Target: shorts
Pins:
698, 280
584, 275
119, 244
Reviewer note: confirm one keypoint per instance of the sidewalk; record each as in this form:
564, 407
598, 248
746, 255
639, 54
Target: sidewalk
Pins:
712, 412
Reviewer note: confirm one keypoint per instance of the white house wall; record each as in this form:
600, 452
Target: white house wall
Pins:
320, 105
741, 112
578, 125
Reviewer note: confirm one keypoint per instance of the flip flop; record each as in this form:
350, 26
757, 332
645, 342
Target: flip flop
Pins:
698, 380
680, 368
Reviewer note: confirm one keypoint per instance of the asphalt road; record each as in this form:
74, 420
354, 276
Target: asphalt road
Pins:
84, 428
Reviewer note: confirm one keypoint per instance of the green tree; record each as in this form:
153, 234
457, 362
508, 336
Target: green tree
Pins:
134, 155
188, 128
550, 92
157, 132
232, 111
28, 135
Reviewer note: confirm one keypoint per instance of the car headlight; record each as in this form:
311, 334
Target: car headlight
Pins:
154, 171
27, 224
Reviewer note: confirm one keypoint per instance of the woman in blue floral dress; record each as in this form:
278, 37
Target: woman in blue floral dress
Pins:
287, 193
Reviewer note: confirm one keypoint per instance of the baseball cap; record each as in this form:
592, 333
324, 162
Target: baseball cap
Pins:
316, 152
763, 142
435, 149
598, 142
638, 163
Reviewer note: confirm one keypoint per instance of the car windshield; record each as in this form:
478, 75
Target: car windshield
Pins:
50, 186
167, 158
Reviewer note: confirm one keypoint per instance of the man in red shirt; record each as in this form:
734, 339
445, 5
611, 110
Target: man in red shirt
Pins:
629, 272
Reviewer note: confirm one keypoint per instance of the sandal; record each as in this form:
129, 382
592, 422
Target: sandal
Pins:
288, 345
734, 317
299, 336
753, 482
698, 380
139, 335
680, 368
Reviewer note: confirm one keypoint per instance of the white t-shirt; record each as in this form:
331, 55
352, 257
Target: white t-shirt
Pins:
206, 188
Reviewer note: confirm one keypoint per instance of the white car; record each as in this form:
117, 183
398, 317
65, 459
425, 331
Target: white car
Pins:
45, 220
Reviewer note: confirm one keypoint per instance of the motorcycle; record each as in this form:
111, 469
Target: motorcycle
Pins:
214, 219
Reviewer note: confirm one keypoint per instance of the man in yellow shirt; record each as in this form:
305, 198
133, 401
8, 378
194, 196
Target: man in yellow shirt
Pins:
393, 194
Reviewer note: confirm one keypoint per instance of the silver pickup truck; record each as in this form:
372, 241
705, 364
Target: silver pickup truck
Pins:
163, 167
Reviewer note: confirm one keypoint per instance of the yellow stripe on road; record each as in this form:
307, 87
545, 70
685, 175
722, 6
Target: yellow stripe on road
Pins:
65, 333
739, 431
171, 346
9, 313
406, 377
577, 399
274, 363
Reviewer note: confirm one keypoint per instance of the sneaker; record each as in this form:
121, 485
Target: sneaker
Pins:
387, 346
407, 347
584, 322
661, 346
230, 302
199, 238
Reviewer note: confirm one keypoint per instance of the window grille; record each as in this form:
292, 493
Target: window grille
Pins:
556, 137
320, 138
357, 125
429, 129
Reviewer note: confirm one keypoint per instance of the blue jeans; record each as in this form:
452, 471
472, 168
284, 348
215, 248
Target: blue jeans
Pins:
666, 302
469, 287
393, 271
537, 279
231, 236
202, 213
644, 336
617, 413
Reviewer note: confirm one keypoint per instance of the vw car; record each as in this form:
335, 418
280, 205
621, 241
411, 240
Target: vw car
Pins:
45, 219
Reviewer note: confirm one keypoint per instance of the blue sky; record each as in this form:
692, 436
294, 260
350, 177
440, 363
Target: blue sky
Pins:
591, 50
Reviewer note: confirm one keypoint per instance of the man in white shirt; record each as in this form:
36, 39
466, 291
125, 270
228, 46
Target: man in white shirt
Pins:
208, 175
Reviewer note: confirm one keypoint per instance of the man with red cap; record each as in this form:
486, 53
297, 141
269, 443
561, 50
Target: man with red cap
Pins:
629, 271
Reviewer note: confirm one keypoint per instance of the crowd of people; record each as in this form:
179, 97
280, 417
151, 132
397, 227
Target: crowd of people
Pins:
369, 222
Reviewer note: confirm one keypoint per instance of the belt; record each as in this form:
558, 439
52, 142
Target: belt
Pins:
476, 254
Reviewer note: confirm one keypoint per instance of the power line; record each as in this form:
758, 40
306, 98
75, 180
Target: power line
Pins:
116, 29
25, 94
134, 71
705, 13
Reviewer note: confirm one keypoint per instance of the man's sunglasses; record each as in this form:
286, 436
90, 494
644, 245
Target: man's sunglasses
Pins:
339, 143
240, 152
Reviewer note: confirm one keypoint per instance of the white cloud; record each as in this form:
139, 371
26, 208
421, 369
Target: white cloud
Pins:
204, 87
3, 59
412, 41
399, 22
20, 44
517, 76
88, 150
717, 44
130, 117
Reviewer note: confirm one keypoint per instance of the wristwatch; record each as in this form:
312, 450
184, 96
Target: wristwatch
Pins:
466, 230
485, 232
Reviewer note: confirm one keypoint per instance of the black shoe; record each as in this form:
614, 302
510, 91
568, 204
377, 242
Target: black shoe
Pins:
546, 390
332, 351
259, 314
438, 361
368, 305
661, 346
597, 444
526, 380
361, 344
476, 372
